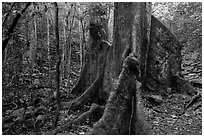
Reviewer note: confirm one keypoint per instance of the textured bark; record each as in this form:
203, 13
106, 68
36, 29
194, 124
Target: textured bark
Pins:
123, 18
81, 42
48, 45
164, 58
68, 59
34, 42
63, 51
121, 113
57, 65
117, 115
144, 24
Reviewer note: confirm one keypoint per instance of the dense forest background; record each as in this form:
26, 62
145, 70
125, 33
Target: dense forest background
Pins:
46, 47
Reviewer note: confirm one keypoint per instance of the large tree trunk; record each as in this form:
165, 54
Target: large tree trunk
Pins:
119, 117
91, 94
158, 53
118, 47
123, 91
144, 25
121, 111
98, 51
151, 58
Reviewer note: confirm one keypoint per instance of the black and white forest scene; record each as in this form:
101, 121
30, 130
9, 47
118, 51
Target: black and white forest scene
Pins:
101, 68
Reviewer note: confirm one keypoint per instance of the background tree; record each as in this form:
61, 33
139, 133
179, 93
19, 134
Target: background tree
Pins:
57, 94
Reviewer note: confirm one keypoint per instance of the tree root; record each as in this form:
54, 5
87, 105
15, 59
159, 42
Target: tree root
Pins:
119, 110
194, 99
191, 102
184, 85
197, 106
95, 112
86, 97
80, 85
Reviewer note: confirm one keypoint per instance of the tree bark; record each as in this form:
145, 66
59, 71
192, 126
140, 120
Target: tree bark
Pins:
145, 24
117, 48
48, 46
57, 65
68, 64
34, 43
121, 112
117, 115
164, 59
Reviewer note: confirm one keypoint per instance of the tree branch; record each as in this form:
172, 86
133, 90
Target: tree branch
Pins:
12, 27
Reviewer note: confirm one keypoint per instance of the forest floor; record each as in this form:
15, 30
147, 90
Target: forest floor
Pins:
167, 121
163, 119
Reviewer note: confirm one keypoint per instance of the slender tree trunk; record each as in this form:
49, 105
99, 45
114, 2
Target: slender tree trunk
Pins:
81, 38
64, 52
48, 46
33, 46
70, 43
81, 31
5, 57
35, 42
57, 65
66, 47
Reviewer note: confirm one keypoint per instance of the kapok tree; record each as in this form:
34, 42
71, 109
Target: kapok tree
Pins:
144, 57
